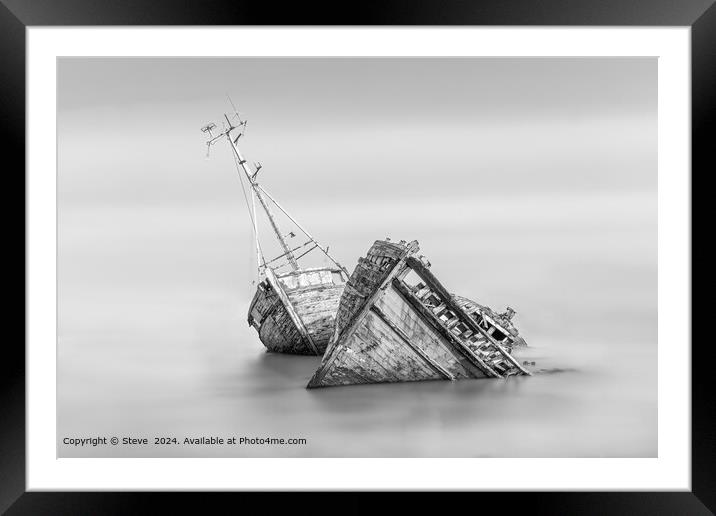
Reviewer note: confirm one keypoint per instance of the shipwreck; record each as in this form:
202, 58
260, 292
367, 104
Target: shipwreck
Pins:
397, 323
294, 307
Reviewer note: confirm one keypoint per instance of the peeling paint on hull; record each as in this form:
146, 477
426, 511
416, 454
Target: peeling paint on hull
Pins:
397, 323
295, 313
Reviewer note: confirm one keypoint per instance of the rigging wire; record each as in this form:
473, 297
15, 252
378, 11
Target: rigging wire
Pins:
325, 251
251, 216
259, 253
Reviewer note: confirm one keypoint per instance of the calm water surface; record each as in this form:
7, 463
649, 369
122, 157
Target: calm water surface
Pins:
153, 342
528, 182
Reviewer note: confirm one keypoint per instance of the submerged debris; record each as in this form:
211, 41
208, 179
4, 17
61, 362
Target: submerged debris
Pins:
397, 323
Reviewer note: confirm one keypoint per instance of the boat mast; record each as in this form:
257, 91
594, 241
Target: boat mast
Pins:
257, 191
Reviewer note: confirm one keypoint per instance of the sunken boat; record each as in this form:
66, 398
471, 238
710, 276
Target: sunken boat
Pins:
293, 309
397, 323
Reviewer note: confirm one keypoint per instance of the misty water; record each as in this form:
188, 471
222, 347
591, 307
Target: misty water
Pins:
154, 342
527, 182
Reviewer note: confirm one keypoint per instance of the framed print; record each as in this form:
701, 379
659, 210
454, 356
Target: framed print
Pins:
450, 256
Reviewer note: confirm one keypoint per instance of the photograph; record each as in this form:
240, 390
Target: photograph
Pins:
378, 257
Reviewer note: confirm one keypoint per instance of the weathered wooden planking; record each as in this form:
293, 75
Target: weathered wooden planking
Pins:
456, 343
294, 310
317, 309
371, 275
388, 331
374, 353
505, 326
424, 336
291, 311
415, 347
427, 276
280, 335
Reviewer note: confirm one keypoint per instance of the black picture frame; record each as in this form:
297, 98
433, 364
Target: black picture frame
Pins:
16, 15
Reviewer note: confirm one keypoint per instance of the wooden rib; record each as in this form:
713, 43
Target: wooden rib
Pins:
435, 323
427, 276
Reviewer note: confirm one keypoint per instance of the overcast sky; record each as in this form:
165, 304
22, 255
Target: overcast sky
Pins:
367, 128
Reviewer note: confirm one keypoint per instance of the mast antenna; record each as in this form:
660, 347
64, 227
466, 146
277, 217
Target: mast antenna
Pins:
208, 128
249, 175
237, 116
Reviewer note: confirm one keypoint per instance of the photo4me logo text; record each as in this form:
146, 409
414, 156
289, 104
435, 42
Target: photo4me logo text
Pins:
183, 441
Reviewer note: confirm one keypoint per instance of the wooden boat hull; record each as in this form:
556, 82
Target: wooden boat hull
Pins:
295, 313
397, 323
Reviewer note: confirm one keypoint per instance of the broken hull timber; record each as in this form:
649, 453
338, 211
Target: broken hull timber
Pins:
397, 323
295, 312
